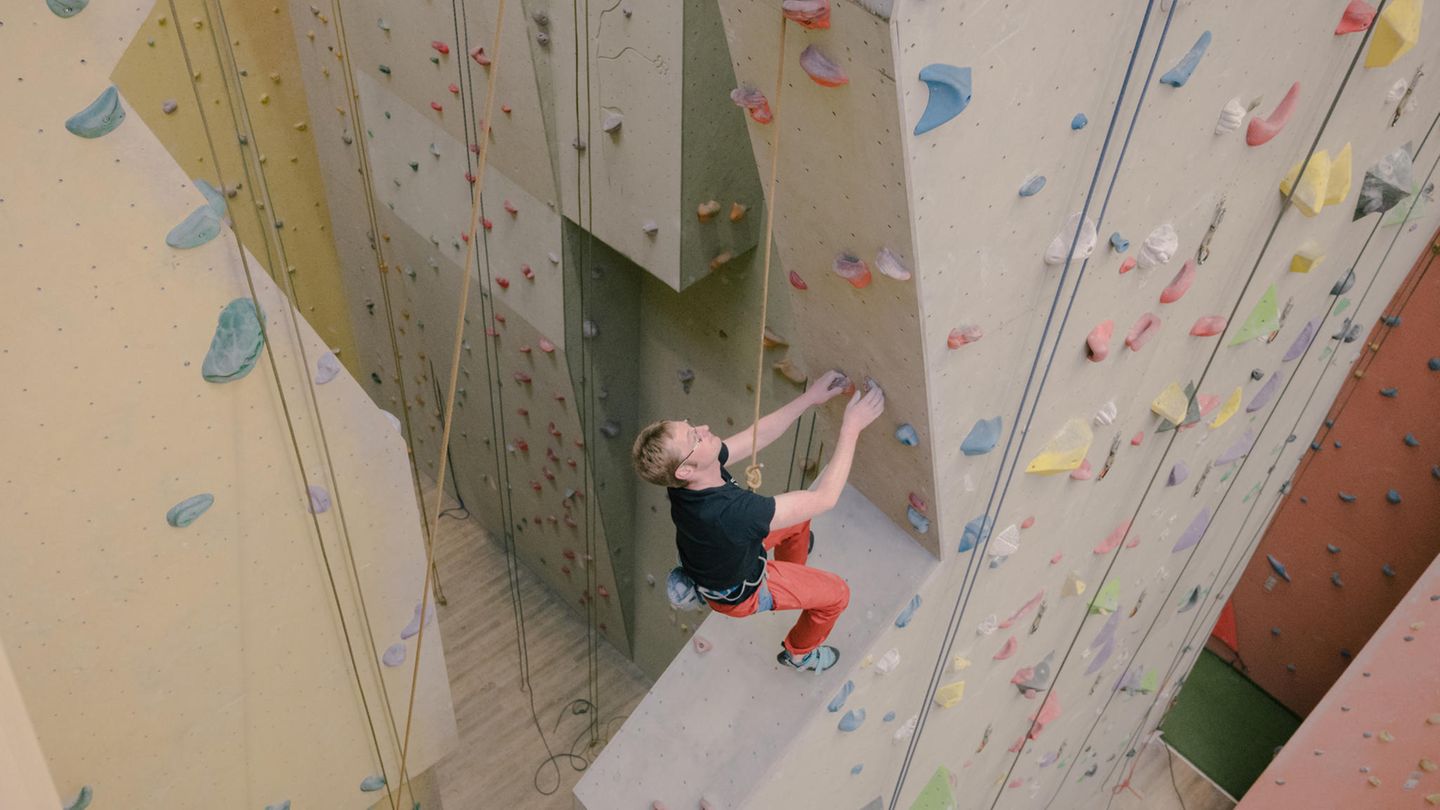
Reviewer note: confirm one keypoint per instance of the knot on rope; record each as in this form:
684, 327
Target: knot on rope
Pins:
752, 476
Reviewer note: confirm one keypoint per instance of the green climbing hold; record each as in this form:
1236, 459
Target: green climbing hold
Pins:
81, 800
184, 513
237, 343
1264, 318
102, 115
67, 8
204, 222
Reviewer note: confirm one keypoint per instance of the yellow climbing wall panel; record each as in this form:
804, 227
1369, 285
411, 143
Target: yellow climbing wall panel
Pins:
153, 75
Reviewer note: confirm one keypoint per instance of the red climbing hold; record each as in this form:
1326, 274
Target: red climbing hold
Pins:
441, 47
487, 223
469, 178
1208, 326
478, 54
503, 282
1008, 649
1127, 265
853, 269
1357, 17
521, 376
1261, 130
465, 237
1027, 522
1180, 284
1137, 439
522, 411
454, 89
500, 317
919, 503
505, 108
797, 282
522, 445
527, 272
435, 105
962, 335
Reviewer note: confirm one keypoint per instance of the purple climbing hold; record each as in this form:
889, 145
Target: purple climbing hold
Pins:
1393, 496
1178, 473
1265, 394
1346, 497
319, 499
1302, 341
1278, 567
1193, 532
1237, 451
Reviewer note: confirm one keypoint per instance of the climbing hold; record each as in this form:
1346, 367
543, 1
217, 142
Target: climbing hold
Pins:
1074, 585
918, 521
1388, 570
99, 117
184, 513
1027, 522
1083, 472
1433, 364
1077, 233
1119, 243
821, 70
1112, 540
1389, 393
394, 655
1007, 649
906, 435
888, 662
890, 265
1308, 192
1391, 320
950, 694
1180, 284
1264, 318
169, 106
1171, 403
1231, 406
908, 613
917, 503
1158, 248
1144, 329
790, 371
236, 346
1356, 17
975, 533
1178, 473
1393, 496
808, 13
797, 282
1280, 571
1346, 496
1302, 340
1097, 343
372, 783
1178, 75
1344, 284
1193, 532
1127, 265
982, 437
1191, 600
1261, 130
962, 335
855, 771
1106, 414
82, 799
853, 269
1230, 117
1338, 187
1066, 450
67, 8
838, 702
1032, 185
1386, 183
1078, 122
1137, 439
1006, 542
319, 499
1238, 450
1264, 395
950, 91
1411, 441
707, 210
203, 224
1397, 29
1106, 599
1208, 326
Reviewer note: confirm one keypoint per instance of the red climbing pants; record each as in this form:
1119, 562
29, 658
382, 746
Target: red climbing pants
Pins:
821, 595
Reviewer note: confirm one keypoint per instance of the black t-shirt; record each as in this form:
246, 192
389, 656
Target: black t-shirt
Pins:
719, 532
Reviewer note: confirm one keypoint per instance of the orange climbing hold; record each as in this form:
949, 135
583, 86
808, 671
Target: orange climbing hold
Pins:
441, 47
707, 210
962, 335
813, 14
853, 269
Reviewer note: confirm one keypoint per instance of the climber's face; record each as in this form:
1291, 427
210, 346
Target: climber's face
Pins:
695, 446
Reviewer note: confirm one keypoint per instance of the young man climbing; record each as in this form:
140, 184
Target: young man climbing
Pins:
723, 530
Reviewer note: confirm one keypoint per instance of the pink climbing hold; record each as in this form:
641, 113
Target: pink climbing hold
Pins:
1097, 344
820, 69
1357, 17
503, 282
441, 47
1049, 713
478, 54
962, 335
853, 269
1142, 331
527, 272
702, 644
510, 208
1025, 608
1134, 541
1055, 560
546, 346
1180, 284
918, 502
754, 103
1137, 439
435, 105
525, 349
1083, 472
1207, 403
1007, 649
488, 225
797, 282
1127, 265
1027, 522
813, 14
454, 89
1261, 130
1208, 326
1111, 542
469, 178
521, 376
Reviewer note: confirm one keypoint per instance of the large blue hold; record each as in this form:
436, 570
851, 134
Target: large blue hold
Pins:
1032, 186
838, 702
982, 438
1178, 75
976, 532
237, 343
950, 91
852, 720
100, 117
184, 513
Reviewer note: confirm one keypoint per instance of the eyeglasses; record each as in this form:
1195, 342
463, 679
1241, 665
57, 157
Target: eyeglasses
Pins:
693, 447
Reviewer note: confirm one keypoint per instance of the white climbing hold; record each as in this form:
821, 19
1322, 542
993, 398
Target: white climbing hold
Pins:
1107, 413
887, 663
1231, 116
1158, 248
1084, 243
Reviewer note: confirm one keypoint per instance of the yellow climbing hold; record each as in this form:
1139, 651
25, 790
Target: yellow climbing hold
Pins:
959, 662
1386, 736
1309, 192
1066, 451
1396, 31
1433, 720
1374, 781
1339, 186
950, 694
1433, 800
1232, 404
1074, 585
867, 661
1306, 258
1171, 403
1428, 765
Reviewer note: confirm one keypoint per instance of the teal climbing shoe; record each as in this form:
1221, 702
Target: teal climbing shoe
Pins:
817, 660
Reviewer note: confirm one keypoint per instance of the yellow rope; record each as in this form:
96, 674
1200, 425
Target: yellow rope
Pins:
752, 472
434, 517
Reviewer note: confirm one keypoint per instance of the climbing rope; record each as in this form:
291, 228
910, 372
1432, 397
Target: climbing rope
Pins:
752, 472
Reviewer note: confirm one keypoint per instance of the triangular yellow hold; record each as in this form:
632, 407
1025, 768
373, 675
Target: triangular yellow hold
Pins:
1396, 31
1339, 186
1228, 409
1066, 451
1074, 585
960, 662
950, 694
1309, 194
1172, 403
1306, 258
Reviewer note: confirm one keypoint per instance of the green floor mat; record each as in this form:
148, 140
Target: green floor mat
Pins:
1226, 725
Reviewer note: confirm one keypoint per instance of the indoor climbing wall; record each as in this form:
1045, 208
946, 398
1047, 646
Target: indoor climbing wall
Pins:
1363, 519
211, 599
1125, 324
1374, 739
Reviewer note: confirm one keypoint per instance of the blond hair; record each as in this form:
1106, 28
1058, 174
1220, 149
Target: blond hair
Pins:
653, 459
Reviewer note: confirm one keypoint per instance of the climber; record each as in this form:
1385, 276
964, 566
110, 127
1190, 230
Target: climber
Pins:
722, 530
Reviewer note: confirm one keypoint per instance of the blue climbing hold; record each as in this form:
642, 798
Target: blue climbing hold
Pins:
1346, 497
976, 532
1032, 186
67, 8
100, 117
1434, 364
1344, 284
203, 224
918, 522
889, 716
1389, 392
82, 799
285, 805
372, 783
1274, 631
1332, 548
950, 91
1435, 471
1391, 320
855, 771
852, 719
1079, 121
184, 513
1337, 444
909, 612
983, 437
1393, 496
1315, 445
236, 345
1411, 441
1178, 75
1387, 570
1120, 243
839, 700
1335, 579
906, 435
1278, 566
1329, 423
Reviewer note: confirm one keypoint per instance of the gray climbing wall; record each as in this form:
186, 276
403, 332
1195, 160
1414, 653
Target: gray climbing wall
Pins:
1070, 634
168, 654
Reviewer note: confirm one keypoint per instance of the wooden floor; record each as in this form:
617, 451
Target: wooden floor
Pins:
500, 757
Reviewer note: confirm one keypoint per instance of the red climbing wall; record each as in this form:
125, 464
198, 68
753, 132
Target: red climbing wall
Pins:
1376, 547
